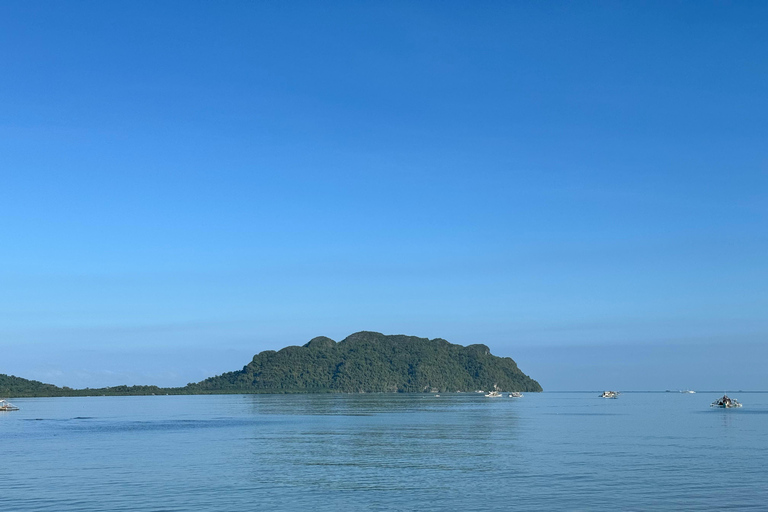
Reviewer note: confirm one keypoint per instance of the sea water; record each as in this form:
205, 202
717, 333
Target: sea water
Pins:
546, 451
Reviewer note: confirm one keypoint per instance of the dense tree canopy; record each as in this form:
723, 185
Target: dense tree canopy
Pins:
372, 362
365, 362
11, 386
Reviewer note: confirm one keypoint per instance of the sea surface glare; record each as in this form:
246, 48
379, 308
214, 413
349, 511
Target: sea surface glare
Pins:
547, 451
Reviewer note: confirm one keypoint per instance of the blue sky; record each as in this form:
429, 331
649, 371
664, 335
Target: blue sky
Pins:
580, 186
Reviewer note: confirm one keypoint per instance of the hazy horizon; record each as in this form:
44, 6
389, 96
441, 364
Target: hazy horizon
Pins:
627, 367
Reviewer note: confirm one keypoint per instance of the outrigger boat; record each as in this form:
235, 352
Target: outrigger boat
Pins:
725, 402
5, 405
495, 393
609, 394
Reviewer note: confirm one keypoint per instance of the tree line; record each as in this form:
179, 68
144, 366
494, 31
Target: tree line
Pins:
364, 362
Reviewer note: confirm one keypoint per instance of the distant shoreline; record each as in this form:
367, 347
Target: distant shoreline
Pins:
363, 362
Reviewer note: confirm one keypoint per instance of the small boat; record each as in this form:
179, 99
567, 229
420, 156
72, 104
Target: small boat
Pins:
5, 405
725, 402
687, 391
493, 394
515, 394
609, 394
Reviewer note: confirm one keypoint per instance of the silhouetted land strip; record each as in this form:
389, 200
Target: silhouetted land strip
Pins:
364, 362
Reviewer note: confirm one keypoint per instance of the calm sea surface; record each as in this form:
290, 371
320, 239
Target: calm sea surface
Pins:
547, 451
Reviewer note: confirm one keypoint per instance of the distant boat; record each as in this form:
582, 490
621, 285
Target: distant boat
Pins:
495, 393
515, 394
609, 394
687, 391
5, 405
725, 402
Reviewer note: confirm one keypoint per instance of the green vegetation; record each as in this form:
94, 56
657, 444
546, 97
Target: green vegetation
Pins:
11, 386
16, 386
365, 362
372, 362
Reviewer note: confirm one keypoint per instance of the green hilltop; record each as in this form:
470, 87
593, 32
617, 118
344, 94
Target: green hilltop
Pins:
364, 362
12, 386
370, 362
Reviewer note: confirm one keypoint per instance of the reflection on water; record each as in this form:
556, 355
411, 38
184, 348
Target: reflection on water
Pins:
389, 436
548, 451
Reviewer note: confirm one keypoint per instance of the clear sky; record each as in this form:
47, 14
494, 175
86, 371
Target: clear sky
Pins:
582, 186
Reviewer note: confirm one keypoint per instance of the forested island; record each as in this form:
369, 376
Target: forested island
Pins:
364, 362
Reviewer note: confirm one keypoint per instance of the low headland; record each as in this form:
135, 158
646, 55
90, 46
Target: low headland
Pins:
364, 362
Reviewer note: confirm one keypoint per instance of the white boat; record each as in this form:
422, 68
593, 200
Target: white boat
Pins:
493, 394
725, 402
515, 394
5, 405
687, 391
610, 394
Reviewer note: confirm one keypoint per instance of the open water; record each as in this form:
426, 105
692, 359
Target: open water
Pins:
547, 451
